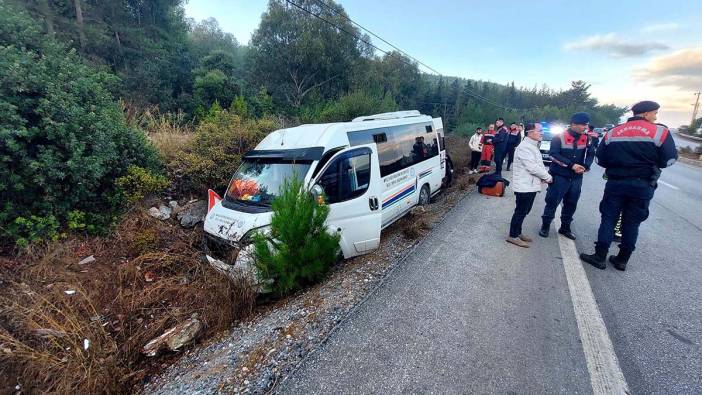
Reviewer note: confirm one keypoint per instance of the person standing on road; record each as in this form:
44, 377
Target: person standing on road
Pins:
500, 142
529, 173
633, 155
512, 142
476, 148
488, 148
593, 135
571, 155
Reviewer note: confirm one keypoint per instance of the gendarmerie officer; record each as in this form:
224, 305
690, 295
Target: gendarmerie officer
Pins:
571, 155
632, 154
500, 142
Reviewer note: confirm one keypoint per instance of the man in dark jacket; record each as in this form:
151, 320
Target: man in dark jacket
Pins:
633, 155
500, 143
513, 141
571, 155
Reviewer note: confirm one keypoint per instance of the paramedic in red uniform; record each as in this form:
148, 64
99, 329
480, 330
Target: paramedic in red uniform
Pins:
571, 155
488, 148
633, 155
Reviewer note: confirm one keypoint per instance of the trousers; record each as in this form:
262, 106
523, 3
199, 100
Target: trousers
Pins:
566, 190
525, 200
499, 158
510, 155
475, 159
631, 199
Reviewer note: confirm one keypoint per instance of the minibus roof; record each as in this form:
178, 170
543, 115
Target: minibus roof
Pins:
328, 135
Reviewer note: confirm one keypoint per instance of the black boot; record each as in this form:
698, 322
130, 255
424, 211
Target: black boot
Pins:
565, 231
597, 259
619, 262
543, 232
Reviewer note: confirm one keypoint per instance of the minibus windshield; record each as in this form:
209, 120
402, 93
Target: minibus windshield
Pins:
259, 181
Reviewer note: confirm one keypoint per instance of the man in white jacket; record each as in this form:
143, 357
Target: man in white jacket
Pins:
476, 148
528, 175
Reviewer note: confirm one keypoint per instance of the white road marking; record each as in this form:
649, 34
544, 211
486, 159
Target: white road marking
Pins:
606, 375
668, 185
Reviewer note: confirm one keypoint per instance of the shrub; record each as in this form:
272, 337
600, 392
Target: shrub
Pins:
298, 251
139, 183
27, 230
63, 138
219, 143
356, 104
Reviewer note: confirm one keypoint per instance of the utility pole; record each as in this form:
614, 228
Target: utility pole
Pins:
694, 111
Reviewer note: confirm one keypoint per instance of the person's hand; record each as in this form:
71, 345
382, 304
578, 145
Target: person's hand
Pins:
548, 181
578, 169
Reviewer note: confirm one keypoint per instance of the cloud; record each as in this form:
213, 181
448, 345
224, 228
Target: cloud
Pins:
615, 46
681, 69
661, 27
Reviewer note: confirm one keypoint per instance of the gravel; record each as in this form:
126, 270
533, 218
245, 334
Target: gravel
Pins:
256, 355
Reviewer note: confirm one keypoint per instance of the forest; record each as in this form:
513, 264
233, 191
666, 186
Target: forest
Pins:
306, 61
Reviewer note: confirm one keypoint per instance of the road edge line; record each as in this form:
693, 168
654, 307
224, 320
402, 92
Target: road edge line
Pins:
606, 376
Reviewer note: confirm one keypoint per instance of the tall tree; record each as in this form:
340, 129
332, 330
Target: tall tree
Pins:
294, 52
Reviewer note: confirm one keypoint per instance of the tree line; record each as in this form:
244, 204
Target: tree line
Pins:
311, 66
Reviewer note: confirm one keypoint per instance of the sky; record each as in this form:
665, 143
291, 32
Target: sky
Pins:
628, 50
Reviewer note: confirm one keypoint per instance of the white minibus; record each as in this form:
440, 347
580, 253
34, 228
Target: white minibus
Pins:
372, 171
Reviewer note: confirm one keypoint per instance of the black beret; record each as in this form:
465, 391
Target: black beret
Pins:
644, 106
580, 118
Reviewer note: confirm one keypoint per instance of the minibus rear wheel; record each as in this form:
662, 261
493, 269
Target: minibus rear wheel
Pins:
424, 195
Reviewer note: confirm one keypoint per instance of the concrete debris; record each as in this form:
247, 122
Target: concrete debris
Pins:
87, 260
163, 212
174, 338
192, 213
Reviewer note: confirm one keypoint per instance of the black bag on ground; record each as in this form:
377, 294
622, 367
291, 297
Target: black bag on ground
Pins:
492, 185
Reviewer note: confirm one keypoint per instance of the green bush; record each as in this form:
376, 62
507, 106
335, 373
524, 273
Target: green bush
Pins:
356, 104
299, 250
215, 152
139, 183
33, 229
63, 137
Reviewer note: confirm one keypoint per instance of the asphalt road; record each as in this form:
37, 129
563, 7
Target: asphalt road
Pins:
468, 313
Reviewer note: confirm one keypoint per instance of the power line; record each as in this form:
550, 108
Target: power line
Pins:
472, 93
475, 95
327, 6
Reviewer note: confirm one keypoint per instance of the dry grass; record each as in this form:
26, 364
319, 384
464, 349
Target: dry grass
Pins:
458, 149
170, 133
116, 306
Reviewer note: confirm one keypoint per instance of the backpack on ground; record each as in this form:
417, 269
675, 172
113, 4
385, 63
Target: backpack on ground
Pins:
492, 185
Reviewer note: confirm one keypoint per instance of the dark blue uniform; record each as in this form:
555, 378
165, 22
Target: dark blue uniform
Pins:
500, 142
632, 154
566, 150
513, 141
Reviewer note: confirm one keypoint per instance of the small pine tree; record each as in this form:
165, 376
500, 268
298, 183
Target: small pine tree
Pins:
299, 250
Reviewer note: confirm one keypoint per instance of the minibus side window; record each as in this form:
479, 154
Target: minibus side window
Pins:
347, 177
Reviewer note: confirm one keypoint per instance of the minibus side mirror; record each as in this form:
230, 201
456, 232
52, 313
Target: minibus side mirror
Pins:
317, 193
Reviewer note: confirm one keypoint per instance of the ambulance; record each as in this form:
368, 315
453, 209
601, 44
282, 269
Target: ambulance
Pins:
371, 172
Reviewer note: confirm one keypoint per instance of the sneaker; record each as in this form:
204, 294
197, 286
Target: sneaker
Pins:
525, 238
518, 242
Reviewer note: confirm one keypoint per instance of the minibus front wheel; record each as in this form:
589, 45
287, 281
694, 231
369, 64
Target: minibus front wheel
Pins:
424, 195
